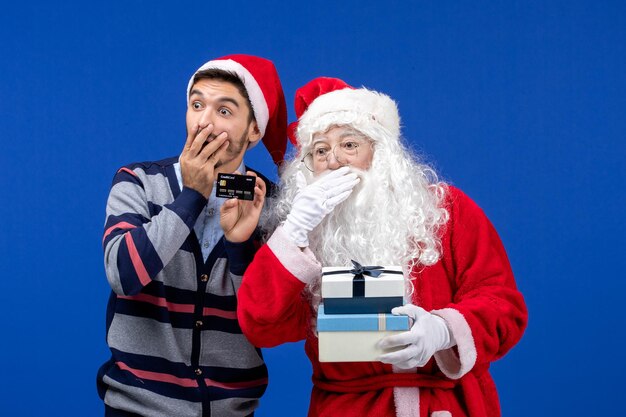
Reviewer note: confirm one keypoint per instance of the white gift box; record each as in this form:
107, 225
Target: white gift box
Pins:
350, 291
353, 337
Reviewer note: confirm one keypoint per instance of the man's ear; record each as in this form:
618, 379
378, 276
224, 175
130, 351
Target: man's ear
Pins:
255, 133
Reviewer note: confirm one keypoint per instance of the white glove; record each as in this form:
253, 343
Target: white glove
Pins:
314, 201
428, 335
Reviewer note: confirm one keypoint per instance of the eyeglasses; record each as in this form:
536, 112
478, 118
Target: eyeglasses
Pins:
342, 151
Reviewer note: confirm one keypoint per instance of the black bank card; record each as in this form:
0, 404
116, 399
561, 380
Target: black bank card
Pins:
235, 186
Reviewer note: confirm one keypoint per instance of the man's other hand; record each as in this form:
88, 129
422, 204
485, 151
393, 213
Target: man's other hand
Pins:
239, 218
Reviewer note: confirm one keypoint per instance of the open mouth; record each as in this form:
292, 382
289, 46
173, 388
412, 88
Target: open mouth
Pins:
208, 140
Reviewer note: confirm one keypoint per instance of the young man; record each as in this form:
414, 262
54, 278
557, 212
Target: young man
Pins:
175, 266
353, 192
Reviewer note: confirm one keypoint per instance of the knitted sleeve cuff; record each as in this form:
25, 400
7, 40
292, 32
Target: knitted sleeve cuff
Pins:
188, 206
239, 255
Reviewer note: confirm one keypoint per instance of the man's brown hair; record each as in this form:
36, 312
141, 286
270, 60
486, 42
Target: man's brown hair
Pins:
229, 77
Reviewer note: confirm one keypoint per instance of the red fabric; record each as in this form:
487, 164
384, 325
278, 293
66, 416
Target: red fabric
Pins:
377, 382
474, 277
309, 92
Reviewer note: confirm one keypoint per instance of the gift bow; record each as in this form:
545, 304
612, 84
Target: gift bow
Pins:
360, 270
358, 282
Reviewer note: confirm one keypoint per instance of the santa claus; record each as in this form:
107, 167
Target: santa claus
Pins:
355, 192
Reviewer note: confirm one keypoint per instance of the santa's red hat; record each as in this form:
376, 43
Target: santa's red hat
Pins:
324, 102
260, 78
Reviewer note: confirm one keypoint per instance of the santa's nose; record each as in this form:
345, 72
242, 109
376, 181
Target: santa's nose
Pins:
333, 162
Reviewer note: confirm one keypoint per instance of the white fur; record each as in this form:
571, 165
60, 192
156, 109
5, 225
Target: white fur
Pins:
300, 263
452, 365
374, 114
406, 399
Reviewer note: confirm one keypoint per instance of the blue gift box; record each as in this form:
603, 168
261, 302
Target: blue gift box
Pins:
354, 337
362, 290
359, 322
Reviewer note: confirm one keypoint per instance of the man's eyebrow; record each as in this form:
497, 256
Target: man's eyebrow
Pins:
228, 100
194, 91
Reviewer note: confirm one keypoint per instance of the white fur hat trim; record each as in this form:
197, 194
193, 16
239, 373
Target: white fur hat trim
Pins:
363, 109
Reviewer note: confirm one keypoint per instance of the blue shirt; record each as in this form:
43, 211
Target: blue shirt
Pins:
207, 227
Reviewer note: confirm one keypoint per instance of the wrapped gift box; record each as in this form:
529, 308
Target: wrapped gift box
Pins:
355, 291
353, 337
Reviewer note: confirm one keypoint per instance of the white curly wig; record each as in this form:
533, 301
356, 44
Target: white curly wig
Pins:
394, 215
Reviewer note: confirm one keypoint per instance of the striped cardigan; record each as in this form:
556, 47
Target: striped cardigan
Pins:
176, 346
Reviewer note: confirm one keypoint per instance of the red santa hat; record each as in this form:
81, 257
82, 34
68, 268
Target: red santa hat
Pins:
324, 102
260, 78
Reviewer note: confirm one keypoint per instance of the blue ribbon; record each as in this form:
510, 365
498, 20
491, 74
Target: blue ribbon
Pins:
360, 270
358, 283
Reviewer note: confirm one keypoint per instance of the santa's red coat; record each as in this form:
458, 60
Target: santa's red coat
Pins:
471, 287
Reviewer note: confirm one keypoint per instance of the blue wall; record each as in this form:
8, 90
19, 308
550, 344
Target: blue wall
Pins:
519, 103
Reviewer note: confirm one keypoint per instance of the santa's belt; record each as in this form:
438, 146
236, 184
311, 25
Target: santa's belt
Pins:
376, 382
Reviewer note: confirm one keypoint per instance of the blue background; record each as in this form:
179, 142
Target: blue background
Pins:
520, 103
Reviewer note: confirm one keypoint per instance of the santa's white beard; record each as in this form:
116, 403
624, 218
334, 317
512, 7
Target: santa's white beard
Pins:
379, 224
362, 228
393, 217
370, 227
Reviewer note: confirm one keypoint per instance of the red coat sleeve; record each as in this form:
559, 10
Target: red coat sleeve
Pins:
271, 307
484, 290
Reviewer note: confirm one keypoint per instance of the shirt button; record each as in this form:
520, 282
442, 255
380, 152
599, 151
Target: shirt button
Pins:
204, 277
211, 212
199, 323
198, 371
206, 244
